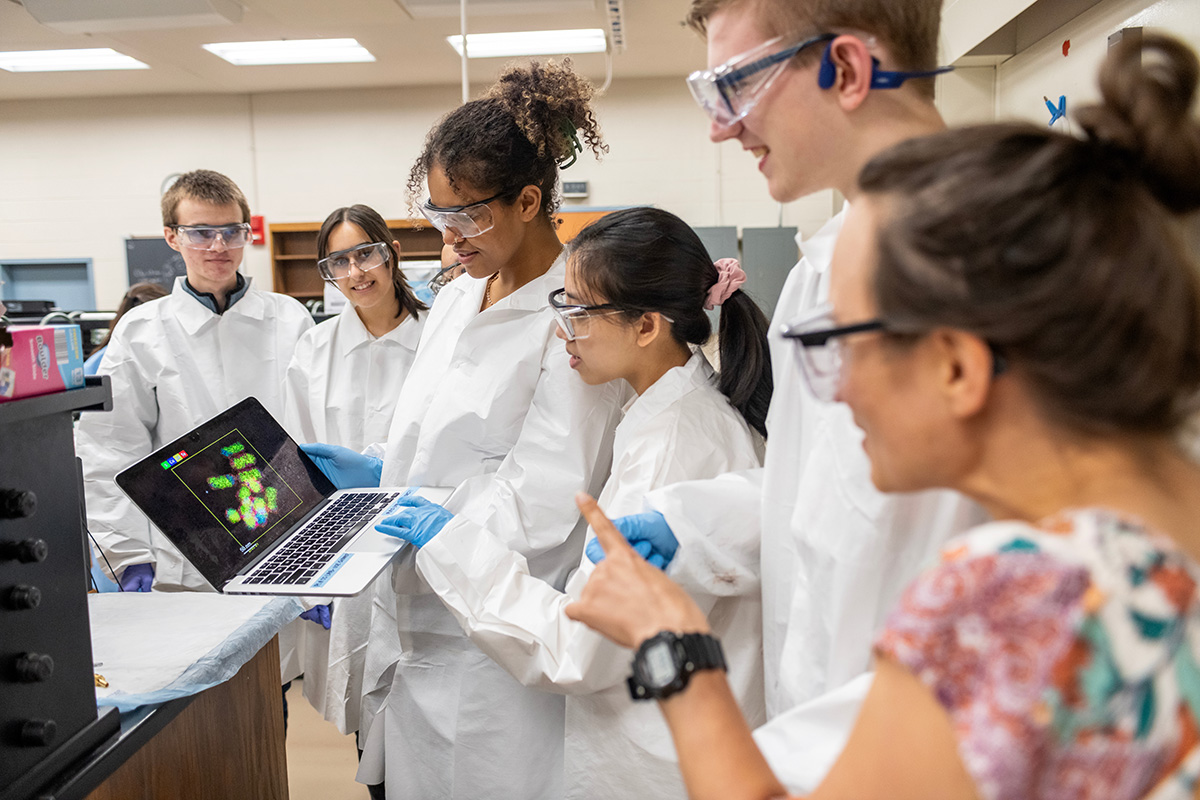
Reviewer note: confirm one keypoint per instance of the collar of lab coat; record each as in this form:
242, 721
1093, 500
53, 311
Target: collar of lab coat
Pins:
818, 248
352, 333
194, 315
533, 296
677, 382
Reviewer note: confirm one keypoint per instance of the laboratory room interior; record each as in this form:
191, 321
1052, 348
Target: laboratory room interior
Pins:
232, 230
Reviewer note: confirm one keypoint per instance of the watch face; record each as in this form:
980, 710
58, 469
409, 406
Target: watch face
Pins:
659, 665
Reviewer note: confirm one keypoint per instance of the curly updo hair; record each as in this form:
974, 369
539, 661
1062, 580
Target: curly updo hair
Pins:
1067, 255
533, 119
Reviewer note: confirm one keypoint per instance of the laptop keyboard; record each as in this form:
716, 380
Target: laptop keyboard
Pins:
315, 545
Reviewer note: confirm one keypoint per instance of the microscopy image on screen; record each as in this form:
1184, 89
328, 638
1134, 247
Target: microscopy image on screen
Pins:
238, 487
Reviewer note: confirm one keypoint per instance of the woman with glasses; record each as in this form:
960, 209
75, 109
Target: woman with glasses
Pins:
341, 388
492, 409
637, 286
1015, 316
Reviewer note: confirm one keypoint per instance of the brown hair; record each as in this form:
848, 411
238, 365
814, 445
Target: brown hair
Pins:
370, 222
1064, 254
907, 29
516, 135
206, 186
138, 293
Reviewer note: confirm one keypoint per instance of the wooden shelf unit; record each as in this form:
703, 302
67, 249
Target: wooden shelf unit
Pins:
294, 248
294, 253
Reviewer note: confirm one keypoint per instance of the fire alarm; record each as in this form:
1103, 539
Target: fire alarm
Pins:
257, 232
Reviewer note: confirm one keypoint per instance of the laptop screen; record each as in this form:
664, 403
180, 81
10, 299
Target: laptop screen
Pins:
227, 490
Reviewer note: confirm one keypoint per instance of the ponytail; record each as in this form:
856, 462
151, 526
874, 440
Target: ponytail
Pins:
645, 259
746, 377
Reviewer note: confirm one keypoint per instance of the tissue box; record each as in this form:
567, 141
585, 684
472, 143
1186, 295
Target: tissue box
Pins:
39, 359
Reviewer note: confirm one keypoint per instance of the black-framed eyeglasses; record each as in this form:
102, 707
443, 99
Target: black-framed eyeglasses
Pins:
444, 276
819, 354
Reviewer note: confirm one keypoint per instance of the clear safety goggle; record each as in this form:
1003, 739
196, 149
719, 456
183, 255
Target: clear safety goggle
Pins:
572, 317
466, 221
364, 256
819, 349
728, 93
444, 276
204, 237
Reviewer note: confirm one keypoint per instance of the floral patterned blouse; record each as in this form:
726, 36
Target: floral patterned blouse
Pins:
1066, 655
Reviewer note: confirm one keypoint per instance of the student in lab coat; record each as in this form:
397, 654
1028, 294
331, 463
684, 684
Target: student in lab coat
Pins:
341, 388
177, 361
637, 285
492, 409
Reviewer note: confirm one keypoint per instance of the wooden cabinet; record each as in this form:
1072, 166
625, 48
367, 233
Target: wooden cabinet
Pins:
294, 253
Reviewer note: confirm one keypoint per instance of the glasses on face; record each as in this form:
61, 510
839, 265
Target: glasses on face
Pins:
364, 256
467, 221
728, 93
444, 276
204, 237
819, 349
573, 317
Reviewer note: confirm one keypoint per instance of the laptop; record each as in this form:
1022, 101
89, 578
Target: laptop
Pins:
244, 504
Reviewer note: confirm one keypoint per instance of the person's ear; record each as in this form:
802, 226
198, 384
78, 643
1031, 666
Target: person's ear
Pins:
172, 237
529, 203
847, 67
965, 371
650, 327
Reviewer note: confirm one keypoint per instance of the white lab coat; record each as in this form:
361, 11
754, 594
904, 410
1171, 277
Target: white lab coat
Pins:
681, 428
174, 364
492, 408
342, 387
835, 552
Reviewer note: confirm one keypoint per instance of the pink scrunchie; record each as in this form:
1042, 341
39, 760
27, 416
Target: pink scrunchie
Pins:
730, 278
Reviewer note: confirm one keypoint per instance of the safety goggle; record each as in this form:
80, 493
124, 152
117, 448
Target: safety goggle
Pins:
572, 317
204, 237
444, 276
364, 256
466, 221
728, 93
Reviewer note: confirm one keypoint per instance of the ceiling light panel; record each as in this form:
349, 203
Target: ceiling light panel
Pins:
291, 51
530, 43
92, 58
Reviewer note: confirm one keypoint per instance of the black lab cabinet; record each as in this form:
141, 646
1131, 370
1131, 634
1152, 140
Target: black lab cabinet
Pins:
48, 716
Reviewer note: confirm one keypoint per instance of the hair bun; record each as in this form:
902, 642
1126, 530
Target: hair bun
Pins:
1148, 89
549, 103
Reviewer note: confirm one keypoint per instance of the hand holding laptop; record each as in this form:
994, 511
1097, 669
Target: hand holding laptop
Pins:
345, 468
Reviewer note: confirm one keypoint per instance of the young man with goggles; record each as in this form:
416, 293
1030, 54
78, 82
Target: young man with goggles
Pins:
835, 553
177, 361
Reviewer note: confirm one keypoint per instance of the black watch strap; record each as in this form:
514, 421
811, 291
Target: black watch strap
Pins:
703, 651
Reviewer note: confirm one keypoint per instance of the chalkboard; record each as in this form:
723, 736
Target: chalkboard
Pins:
152, 260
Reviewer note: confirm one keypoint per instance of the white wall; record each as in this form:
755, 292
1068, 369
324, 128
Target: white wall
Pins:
77, 177
1042, 70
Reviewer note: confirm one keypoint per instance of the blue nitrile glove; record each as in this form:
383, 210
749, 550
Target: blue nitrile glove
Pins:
414, 519
345, 468
137, 578
322, 615
648, 534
